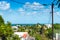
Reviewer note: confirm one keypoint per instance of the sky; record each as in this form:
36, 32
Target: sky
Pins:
28, 11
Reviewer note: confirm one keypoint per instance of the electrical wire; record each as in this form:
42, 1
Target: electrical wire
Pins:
58, 16
28, 4
50, 18
35, 5
17, 2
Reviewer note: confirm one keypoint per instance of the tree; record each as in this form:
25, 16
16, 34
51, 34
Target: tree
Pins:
57, 26
1, 20
8, 24
5, 29
9, 29
15, 37
49, 34
58, 3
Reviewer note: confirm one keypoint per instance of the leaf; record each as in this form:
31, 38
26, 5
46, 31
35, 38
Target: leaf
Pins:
59, 5
58, 0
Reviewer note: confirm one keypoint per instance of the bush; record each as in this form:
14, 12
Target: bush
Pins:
15, 37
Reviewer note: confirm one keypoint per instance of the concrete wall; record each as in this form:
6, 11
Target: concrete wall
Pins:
57, 36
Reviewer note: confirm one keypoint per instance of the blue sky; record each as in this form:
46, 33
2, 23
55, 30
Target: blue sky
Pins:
29, 12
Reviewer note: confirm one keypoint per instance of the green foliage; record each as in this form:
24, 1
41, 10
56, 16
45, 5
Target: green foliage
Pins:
57, 26
6, 30
8, 24
15, 37
38, 37
33, 30
21, 29
9, 38
49, 34
1, 20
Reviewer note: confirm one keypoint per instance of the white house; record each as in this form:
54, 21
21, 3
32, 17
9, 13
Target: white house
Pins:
48, 25
22, 35
15, 28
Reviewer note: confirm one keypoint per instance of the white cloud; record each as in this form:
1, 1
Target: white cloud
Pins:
36, 6
21, 11
34, 12
33, 6
46, 10
30, 8
35, 3
33, 9
4, 5
31, 13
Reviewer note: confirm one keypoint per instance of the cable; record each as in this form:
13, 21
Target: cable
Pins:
16, 2
24, 3
58, 16
50, 18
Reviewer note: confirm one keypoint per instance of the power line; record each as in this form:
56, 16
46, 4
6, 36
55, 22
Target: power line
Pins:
28, 4
16, 2
24, 3
58, 16
49, 18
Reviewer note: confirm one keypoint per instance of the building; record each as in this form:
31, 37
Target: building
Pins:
48, 25
15, 28
24, 36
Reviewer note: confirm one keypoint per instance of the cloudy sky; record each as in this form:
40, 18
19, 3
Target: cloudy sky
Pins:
28, 11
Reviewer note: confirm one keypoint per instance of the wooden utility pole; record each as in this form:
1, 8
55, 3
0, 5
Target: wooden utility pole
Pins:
52, 6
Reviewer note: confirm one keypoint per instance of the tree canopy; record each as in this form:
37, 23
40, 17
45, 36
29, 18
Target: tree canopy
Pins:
1, 20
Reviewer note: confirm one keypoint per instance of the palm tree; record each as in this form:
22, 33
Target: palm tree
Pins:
58, 2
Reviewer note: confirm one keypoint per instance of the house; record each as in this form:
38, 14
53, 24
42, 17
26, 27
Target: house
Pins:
48, 25
24, 36
15, 28
31, 38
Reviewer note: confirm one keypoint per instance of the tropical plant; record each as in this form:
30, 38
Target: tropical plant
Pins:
5, 29
1, 20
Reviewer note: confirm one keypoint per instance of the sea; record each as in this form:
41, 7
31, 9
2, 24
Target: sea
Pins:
22, 24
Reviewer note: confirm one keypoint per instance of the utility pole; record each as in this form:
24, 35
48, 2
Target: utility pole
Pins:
52, 6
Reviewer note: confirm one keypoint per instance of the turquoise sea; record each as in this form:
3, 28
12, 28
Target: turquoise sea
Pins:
22, 24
